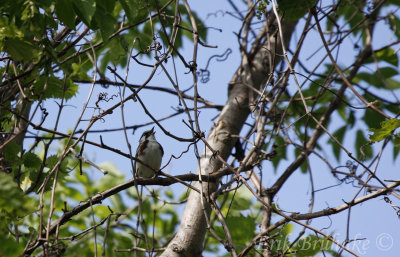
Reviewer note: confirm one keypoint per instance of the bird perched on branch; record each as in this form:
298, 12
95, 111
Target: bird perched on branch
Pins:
150, 154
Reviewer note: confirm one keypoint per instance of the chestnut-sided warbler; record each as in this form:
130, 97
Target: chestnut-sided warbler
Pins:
149, 152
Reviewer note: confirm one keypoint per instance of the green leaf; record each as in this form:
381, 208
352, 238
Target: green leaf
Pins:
106, 4
72, 193
280, 151
351, 119
339, 134
51, 161
47, 5
394, 23
79, 71
131, 9
379, 79
85, 10
29, 11
245, 231
169, 193
281, 242
241, 200
104, 21
388, 55
363, 148
388, 72
20, 205
385, 130
260, 10
11, 151
294, 10
342, 110
372, 79
116, 53
241, 234
31, 160
26, 183
113, 178
20, 49
351, 14
396, 140
9, 246
372, 118
393, 84
8, 30
65, 12
55, 88
396, 151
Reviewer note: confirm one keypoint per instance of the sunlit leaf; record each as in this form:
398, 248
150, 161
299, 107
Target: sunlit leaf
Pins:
20, 205
241, 199
387, 54
26, 183
385, 130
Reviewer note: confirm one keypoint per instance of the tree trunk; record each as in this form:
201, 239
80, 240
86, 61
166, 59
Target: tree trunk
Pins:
253, 72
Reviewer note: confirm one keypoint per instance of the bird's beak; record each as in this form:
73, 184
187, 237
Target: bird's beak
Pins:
152, 131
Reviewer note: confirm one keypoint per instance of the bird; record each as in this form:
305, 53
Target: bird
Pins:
149, 152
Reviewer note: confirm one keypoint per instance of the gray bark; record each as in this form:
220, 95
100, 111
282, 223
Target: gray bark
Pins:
253, 72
